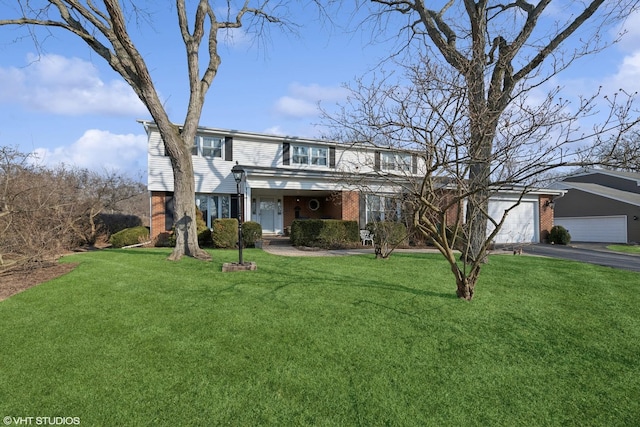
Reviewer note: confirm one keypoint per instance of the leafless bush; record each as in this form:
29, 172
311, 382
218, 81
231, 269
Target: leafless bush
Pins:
45, 212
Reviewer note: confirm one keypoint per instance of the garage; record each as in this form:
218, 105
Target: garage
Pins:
607, 229
521, 225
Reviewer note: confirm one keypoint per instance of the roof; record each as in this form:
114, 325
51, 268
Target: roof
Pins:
632, 176
602, 191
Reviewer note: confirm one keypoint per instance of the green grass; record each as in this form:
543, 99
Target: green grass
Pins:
629, 249
129, 338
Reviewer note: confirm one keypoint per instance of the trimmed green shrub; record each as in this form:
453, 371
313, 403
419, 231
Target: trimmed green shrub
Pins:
129, 236
225, 233
251, 232
204, 234
337, 233
324, 233
305, 232
559, 235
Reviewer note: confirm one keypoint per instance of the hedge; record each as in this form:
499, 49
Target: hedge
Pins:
324, 233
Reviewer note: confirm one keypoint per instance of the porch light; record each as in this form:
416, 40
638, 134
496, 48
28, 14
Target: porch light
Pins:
549, 204
238, 174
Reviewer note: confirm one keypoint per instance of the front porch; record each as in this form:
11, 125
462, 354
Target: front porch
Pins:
275, 210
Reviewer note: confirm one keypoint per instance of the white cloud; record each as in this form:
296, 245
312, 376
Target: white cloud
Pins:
628, 75
317, 92
275, 130
296, 107
66, 86
302, 100
631, 30
99, 150
235, 37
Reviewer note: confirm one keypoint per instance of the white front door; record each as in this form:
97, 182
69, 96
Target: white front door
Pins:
267, 215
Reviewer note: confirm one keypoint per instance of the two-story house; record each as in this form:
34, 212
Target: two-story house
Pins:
600, 206
288, 178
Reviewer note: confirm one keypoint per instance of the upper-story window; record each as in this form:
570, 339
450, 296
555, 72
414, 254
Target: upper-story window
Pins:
395, 161
207, 146
304, 155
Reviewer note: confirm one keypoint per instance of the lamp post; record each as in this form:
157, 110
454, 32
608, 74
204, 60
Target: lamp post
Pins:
238, 175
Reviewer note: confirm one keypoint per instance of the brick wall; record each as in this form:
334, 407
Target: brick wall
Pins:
343, 205
351, 206
546, 217
158, 217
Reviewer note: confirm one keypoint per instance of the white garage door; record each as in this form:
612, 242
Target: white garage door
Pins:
608, 229
521, 225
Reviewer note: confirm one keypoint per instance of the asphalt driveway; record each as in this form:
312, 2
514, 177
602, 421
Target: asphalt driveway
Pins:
590, 253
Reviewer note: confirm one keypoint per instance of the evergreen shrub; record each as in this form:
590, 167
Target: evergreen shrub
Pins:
225, 233
251, 232
129, 236
559, 235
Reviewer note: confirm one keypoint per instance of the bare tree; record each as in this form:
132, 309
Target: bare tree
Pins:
619, 153
493, 54
104, 27
426, 112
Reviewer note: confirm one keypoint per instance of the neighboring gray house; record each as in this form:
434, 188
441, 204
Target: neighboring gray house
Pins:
600, 206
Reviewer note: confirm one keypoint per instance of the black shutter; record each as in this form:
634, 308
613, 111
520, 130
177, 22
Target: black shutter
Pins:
286, 147
414, 164
332, 157
169, 209
376, 165
234, 206
228, 148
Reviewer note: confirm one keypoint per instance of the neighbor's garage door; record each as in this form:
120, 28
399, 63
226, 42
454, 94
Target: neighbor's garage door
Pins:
521, 225
609, 229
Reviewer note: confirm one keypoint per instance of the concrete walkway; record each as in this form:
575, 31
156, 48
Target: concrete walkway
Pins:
282, 246
594, 253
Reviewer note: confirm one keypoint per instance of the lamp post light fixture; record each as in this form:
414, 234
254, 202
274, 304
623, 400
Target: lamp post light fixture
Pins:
238, 175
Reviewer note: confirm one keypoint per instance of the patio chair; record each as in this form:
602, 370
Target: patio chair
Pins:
366, 236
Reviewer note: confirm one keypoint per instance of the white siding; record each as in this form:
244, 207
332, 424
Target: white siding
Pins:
156, 147
257, 153
160, 174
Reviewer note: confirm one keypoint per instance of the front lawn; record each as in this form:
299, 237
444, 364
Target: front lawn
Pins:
129, 338
628, 249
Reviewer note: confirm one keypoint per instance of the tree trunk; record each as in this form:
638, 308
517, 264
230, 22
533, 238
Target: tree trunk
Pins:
184, 202
466, 283
476, 231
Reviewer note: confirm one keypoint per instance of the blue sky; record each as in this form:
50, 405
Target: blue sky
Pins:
65, 104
